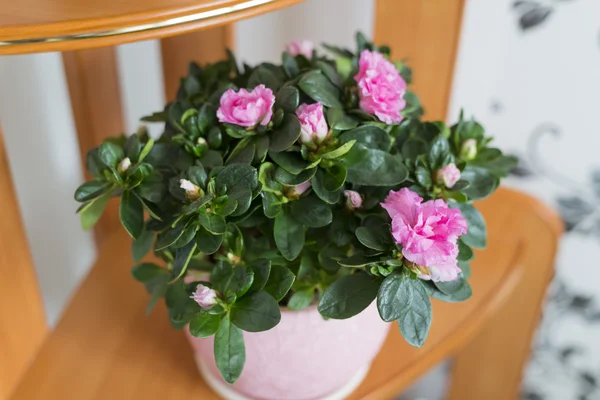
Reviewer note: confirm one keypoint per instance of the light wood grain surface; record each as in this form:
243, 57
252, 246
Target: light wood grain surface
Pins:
22, 322
106, 348
79, 24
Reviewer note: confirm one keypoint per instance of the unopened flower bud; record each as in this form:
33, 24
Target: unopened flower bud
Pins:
204, 296
448, 175
303, 47
294, 192
312, 123
468, 150
353, 199
192, 192
124, 165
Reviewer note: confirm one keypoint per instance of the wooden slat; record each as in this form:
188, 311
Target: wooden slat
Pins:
491, 365
427, 33
202, 47
106, 348
93, 83
22, 321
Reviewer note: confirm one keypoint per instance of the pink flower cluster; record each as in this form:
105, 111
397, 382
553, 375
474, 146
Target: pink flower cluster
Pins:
380, 87
428, 233
245, 108
313, 125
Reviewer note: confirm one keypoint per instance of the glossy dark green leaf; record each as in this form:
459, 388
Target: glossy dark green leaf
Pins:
182, 259
372, 167
168, 237
376, 239
340, 151
262, 270
207, 242
348, 296
263, 76
286, 134
415, 316
142, 245
110, 154
320, 190
438, 150
319, 88
92, 211
338, 119
236, 278
452, 287
282, 176
289, 65
289, 235
465, 253
230, 351
280, 282
311, 212
91, 190
146, 272
482, 183
256, 312
131, 213
203, 325
301, 299
291, 161
287, 99
423, 176
213, 223
370, 136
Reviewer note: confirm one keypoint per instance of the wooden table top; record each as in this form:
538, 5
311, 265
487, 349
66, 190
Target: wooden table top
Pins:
28, 26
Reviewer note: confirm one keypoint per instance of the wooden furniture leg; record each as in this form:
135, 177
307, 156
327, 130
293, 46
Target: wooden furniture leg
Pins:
490, 366
22, 324
93, 83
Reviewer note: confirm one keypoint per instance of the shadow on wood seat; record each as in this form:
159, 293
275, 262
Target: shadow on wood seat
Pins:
106, 348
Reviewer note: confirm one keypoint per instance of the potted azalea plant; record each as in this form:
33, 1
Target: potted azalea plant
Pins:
296, 209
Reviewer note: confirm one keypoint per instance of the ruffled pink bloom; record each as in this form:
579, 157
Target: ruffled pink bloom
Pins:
448, 175
353, 199
428, 232
380, 87
313, 125
204, 296
245, 108
303, 47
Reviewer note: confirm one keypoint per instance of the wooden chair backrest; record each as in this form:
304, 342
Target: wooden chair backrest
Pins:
424, 31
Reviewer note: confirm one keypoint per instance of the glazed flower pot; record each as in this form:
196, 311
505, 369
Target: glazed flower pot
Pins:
305, 357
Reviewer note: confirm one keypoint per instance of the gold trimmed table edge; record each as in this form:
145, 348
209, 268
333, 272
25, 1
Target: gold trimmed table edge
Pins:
114, 30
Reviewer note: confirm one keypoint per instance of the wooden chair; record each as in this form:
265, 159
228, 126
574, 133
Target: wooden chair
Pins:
104, 347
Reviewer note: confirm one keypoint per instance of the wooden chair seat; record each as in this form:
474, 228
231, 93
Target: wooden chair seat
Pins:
105, 347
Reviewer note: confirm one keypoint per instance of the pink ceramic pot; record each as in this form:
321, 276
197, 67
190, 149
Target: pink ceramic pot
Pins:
303, 358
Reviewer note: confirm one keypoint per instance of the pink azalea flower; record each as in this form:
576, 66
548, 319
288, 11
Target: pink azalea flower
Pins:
380, 87
353, 199
428, 232
245, 108
204, 296
448, 175
313, 124
303, 47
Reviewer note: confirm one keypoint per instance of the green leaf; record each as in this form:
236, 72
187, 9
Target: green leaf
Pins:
331, 73
356, 261
142, 245
413, 148
319, 188
481, 182
287, 99
230, 351
311, 212
131, 213
167, 238
415, 316
207, 242
110, 154
213, 223
423, 176
372, 167
340, 151
462, 295
319, 88
465, 253
291, 161
146, 272
146, 149
157, 288
189, 232
182, 259
394, 297
286, 134
348, 296
262, 75
226, 277
91, 190
262, 270
289, 235
256, 313
290, 66
301, 299
334, 177
476, 235
338, 119
282, 176
92, 211
280, 282
438, 151
376, 239
452, 287
370, 136
204, 325
329, 256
